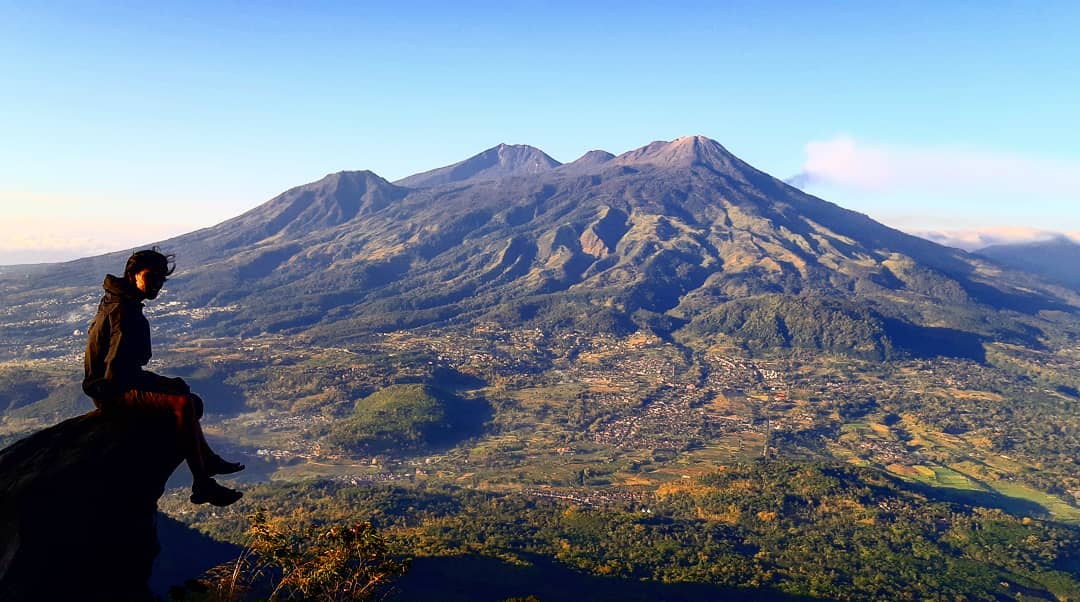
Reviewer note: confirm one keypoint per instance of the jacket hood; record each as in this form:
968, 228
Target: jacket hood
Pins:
120, 287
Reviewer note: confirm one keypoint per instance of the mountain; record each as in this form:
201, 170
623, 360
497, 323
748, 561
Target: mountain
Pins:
480, 322
680, 238
495, 163
1056, 260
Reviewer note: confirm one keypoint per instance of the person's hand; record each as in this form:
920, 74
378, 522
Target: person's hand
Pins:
180, 384
197, 405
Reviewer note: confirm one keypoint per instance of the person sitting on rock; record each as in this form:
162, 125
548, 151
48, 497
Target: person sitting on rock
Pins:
118, 348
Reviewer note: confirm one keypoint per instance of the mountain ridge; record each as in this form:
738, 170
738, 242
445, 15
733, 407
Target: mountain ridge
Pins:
682, 152
1055, 259
657, 238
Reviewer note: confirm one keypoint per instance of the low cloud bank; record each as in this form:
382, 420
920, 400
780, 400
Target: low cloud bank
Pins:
934, 172
40, 240
978, 238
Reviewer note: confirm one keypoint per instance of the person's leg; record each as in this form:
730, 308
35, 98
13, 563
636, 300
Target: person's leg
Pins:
191, 441
214, 463
188, 430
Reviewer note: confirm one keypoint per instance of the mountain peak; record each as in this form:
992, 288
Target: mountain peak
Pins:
685, 151
587, 162
696, 142
593, 157
497, 162
524, 156
336, 198
346, 175
332, 200
346, 183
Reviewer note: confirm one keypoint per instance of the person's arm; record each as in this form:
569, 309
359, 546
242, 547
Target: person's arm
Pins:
106, 383
114, 370
97, 345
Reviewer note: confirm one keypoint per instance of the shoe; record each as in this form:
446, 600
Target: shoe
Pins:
216, 465
209, 491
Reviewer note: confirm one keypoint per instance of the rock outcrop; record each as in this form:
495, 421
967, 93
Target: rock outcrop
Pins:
78, 504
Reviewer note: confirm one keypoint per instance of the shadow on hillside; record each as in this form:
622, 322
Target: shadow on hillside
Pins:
450, 379
1018, 301
185, 554
220, 397
930, 342
466, 418
483, 578
987, 499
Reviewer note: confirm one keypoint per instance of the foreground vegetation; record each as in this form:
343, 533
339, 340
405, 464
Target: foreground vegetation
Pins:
807, 529
282, 560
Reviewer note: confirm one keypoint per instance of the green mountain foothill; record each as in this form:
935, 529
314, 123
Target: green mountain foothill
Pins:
408, 418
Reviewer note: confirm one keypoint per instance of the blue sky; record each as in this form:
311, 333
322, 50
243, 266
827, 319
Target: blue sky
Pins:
123, 123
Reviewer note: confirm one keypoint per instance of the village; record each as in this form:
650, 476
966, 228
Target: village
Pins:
633, 393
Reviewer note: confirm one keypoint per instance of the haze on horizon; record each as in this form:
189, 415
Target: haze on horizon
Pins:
131, 125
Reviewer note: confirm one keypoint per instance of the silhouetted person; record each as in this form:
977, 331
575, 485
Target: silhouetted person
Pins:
119, 347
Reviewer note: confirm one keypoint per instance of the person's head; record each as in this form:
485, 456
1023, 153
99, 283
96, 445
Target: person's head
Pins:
147, 271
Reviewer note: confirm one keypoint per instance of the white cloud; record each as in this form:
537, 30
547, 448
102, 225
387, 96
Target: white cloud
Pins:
937, 172
977, 238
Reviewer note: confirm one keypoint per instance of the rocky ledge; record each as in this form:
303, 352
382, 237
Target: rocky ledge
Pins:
78, 504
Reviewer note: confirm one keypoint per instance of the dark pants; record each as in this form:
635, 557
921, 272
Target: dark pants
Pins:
185, 408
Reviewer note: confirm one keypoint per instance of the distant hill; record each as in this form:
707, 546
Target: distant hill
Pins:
681, 238
1057, 259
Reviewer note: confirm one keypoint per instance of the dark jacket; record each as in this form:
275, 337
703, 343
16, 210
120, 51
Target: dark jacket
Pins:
118, 346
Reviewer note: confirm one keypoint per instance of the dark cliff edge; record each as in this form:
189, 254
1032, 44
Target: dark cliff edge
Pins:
78, 508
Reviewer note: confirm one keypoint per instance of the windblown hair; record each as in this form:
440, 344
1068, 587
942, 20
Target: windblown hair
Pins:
152, 259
